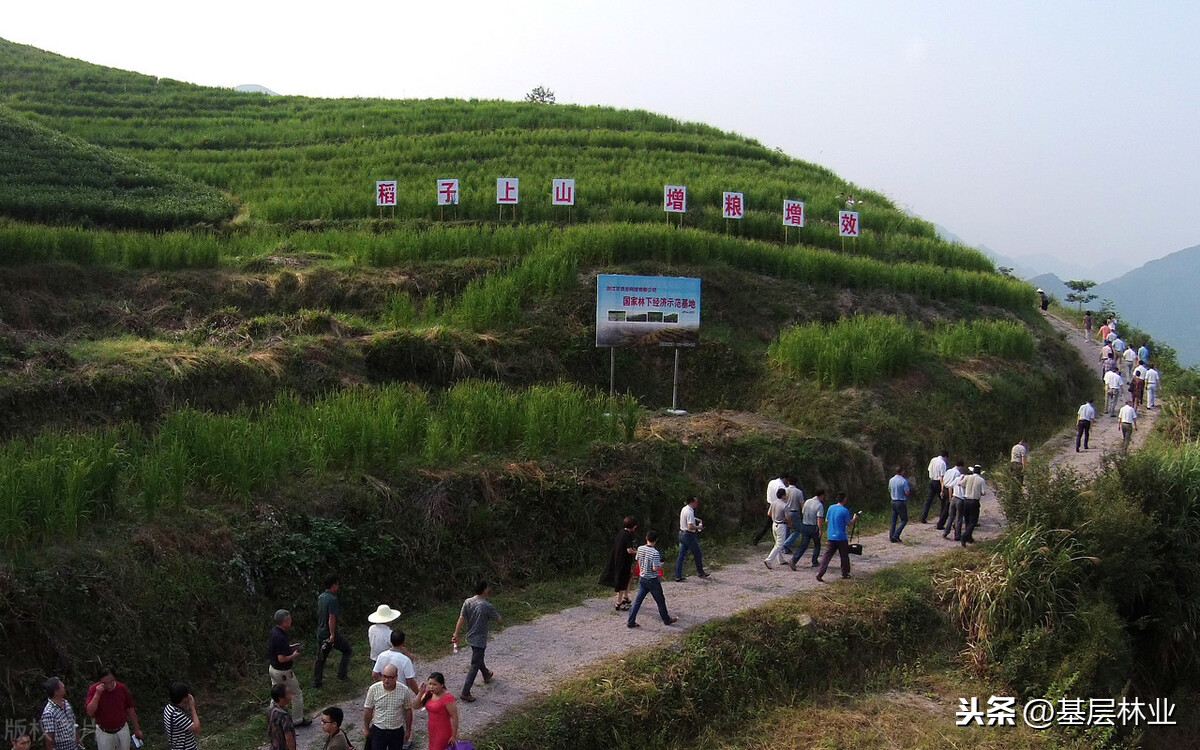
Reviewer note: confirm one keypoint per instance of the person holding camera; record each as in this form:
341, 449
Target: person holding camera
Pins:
837, 522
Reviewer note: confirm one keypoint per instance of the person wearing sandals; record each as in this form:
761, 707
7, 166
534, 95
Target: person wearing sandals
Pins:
620, 564
442, 711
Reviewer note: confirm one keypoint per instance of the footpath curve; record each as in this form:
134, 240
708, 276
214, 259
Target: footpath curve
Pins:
530, 659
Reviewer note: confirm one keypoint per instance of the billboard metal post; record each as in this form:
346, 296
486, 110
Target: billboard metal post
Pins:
612, 371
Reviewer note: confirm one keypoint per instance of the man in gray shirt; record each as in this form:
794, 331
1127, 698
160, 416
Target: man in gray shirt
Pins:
812, 516
477, 612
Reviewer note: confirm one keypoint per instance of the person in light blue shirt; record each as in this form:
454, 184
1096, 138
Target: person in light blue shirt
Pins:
837, 521
1143, 354
898, 488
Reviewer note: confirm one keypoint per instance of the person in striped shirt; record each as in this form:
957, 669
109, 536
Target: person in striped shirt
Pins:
649, 562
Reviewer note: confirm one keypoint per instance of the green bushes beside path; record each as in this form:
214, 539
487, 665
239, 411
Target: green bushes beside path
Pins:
725, 670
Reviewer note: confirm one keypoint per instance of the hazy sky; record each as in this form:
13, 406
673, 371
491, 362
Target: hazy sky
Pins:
1062, 128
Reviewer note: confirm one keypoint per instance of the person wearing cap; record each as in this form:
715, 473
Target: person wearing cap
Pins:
1045, 300
973, 487
379, 635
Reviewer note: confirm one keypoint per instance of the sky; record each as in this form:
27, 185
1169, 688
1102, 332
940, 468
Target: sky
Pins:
1065, 133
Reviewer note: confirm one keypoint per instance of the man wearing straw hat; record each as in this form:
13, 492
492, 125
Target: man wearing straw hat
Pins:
379, 635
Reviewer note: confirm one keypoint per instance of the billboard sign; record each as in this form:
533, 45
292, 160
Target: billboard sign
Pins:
647, 311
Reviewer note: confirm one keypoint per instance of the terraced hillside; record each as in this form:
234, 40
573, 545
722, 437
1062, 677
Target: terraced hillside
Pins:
200, 423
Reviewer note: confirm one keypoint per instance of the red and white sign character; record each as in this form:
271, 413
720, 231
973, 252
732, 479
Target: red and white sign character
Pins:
793, 213
564, 193
732, 205
385, 193
675, 199
507, 189
447, 192
848, 223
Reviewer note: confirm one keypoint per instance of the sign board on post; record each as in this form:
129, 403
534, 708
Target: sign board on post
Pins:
563, 192
848, 223
385, 192
647, 311
447, 192
793, 213
507, 190
675, 199
732, 205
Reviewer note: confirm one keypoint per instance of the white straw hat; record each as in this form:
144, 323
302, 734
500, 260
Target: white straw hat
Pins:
384, 614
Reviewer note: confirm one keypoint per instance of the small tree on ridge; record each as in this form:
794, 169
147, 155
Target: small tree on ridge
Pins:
1079, 292
540, 95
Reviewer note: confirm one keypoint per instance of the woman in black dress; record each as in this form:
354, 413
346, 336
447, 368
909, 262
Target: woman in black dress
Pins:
620, 564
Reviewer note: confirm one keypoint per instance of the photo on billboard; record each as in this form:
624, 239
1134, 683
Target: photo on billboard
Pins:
647, 311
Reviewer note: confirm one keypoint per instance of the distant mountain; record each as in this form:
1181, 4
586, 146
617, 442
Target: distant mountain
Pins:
1052, 285
1034, 266
1160, 298
254, 88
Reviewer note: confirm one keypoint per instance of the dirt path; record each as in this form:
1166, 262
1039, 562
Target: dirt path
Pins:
1105, 435
529, 659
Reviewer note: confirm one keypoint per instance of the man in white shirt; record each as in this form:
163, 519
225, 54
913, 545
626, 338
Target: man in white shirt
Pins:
949, 481
1126, 423
396, 656
937, 468
1112, 391
1083, 429
784, 481
955, 486
1129, 358
812, 514
1152, 378
781, 522
689, 526
973, 488
387, 712
1020, 453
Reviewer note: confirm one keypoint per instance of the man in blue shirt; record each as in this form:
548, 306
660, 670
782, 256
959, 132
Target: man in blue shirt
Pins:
898, 488
837, 521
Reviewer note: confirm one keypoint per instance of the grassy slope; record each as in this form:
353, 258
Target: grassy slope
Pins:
310, 295
48, 176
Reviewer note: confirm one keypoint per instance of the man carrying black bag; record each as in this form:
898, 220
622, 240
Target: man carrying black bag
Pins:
837, 522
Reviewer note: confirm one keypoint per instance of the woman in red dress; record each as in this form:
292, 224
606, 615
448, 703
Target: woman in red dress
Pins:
442, 711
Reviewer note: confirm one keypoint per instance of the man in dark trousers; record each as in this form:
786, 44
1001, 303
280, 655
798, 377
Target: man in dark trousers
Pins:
838, 522
1083, 431
477, 612
937, 469
329, 635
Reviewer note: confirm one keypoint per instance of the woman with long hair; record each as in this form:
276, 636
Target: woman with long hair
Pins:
439, 705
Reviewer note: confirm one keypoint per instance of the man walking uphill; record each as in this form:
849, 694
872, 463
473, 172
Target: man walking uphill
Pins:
937, 469
329, 635
837, 521
476, 613
1083, 431
898, 488
689, 526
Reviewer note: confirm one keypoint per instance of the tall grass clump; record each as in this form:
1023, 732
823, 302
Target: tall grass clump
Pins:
856, 351
998, 338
